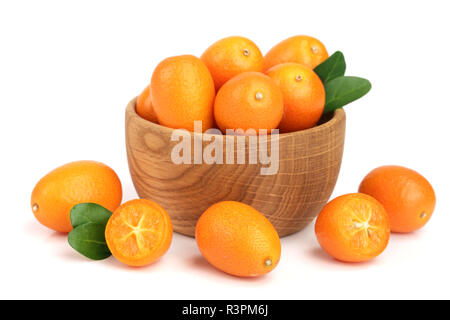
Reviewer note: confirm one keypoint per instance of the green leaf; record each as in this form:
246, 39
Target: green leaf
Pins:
343, 90
89, 240
89, 213
331, 68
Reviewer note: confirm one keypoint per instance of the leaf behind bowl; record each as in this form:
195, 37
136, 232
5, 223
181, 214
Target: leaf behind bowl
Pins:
331, 68
343, 90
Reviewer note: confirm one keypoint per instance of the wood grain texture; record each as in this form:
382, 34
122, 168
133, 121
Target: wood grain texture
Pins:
308, 169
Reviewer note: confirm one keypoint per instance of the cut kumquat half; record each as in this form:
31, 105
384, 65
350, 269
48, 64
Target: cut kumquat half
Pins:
139, 232
353, 228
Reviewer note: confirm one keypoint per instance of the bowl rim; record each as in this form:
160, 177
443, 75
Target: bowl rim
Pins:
337, 117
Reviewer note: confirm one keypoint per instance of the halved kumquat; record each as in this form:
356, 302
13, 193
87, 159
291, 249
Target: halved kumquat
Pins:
353, 228
139, 232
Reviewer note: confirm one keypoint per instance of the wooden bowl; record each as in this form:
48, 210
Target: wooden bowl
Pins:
309, 163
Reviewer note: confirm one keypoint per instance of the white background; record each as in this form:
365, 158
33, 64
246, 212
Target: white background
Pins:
68, 69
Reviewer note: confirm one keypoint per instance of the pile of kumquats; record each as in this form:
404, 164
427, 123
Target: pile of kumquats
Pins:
233, 86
